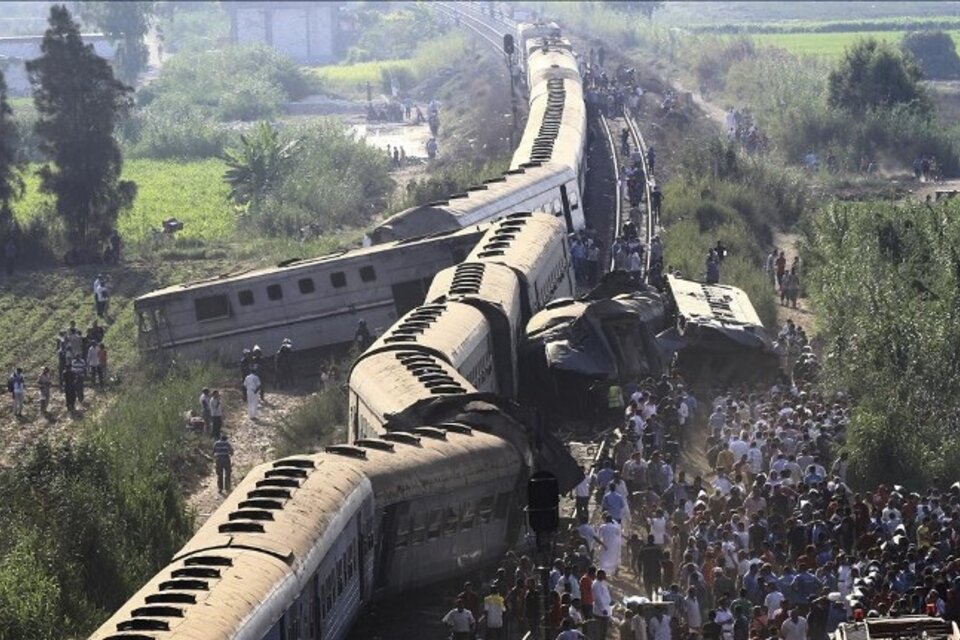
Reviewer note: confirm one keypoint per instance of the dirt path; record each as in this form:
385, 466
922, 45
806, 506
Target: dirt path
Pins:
252, 442
803, 316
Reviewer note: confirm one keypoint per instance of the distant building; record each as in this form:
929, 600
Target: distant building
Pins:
305, 31
16, 50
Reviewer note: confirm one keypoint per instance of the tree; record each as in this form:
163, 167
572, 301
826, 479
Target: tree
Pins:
874, 75
257, 166
935, 52
11, 182
126, 25
79, 102
643, 7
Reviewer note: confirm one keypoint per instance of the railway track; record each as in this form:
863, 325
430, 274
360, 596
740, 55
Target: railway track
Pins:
643, 218
486, 27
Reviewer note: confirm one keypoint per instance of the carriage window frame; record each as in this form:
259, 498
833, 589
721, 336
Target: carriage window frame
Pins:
485, 508
246, 298
434, 524
468, 514
221, 311
368, 274
306, 286
274, 292
338, 279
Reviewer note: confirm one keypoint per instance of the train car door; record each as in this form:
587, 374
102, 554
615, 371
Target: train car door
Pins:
567, 215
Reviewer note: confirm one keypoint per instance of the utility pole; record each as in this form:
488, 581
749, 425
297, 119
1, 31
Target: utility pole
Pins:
508, 53
543, 516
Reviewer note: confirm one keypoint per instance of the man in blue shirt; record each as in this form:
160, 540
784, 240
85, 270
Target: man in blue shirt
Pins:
614, 503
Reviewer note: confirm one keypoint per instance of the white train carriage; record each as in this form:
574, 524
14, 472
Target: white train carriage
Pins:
549, 187
534, 245
303, 543
458, 333
494, 289
386, 384
315, 302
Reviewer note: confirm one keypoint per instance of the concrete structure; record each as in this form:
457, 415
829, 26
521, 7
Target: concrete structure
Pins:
305, 31
15, 51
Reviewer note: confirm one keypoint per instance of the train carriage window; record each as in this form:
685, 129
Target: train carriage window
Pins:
245, 297
557, 207
503, 505
434, 524
451, 521
485, 509
212, 307
419, 528
469, 513
274, 292
367, 274
403, 531
338, 279
306, 286
328, 596
339, 576
351, 555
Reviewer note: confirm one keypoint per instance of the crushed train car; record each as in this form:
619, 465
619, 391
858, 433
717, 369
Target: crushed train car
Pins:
717, 334
573, 349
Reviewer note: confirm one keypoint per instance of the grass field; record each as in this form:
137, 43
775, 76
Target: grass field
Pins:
828, 45
193, 192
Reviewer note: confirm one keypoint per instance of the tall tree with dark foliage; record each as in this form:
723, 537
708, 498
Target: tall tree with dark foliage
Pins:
11, 182
79, 103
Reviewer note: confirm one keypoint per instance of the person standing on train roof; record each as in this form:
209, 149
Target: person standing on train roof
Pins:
251, 385
222, 451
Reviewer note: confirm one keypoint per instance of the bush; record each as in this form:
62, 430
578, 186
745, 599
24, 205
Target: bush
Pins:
186, 133
246, 83
935, 52
887, 289
336, 180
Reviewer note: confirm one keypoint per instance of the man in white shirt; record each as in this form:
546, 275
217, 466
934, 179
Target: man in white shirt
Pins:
794, 627
460, 621
601, 603
738, 447
773, 600
252, 384
581, 493
660, 625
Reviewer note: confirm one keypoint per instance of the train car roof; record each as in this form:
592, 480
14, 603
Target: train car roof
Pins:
292, 266
229, 569
416, 221
448, 328
391, 382
719, 303
481, 280
518, 239
562, 112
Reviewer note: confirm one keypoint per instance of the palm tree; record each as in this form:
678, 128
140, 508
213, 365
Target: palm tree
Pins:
257, 166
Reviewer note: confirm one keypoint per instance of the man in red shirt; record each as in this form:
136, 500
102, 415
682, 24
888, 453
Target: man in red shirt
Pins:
586, 592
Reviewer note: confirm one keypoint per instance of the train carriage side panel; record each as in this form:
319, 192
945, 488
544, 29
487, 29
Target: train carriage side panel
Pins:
314, 302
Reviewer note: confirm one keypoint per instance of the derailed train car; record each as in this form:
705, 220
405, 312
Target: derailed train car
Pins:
717, 333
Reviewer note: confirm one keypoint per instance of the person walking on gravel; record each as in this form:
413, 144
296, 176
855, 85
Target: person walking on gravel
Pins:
44, 382
252, 386
221, 458
17, 387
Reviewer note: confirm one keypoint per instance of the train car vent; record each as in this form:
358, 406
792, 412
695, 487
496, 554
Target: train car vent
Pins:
438, 203
143, 624
458, 196
447, 389
184, 585
374, 443
300, 463
176, 598
430, 432
456, 427
347, 450
402, 437
287, 472
497, 179
490, 254
288, 262
514, 172
241, 527
129, 636
158, 611
279, 482
283, 494
211, 561
535, 163
250, 514
260, 504
478, 187
196, 572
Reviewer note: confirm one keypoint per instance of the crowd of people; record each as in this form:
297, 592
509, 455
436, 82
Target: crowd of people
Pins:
786, 281
767, 540
82, 362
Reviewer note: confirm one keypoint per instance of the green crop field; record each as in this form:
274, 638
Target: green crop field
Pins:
828, 45
193, 192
